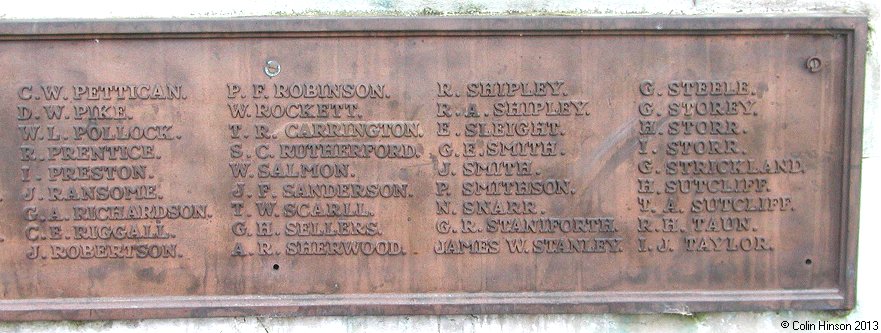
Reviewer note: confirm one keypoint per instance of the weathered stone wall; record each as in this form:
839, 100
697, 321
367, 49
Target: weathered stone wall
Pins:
868, 292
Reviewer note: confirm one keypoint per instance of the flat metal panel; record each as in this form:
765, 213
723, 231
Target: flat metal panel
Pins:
339, 166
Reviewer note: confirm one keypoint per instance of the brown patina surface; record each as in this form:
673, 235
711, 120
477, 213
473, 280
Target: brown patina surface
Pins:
428, 166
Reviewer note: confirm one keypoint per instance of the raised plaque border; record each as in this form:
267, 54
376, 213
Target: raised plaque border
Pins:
854, 28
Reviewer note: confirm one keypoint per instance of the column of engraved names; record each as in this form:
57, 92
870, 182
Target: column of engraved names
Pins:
297, 154
89, 172
497, 139
700, 189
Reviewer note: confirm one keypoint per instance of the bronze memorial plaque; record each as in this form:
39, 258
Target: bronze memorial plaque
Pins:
429, 165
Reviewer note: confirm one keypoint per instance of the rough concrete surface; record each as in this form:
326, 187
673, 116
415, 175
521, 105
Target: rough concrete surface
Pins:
868, 291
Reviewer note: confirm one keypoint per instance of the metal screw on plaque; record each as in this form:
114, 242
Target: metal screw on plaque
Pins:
813, 64
272, 68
